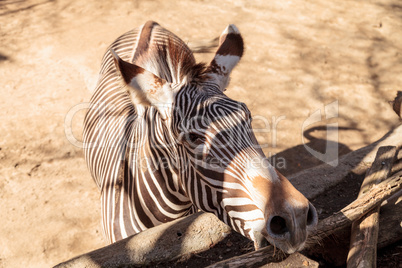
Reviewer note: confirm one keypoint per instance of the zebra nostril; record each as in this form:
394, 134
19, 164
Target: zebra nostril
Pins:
278, 226
311, 215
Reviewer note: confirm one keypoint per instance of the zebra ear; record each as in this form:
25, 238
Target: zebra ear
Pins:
227, 56
145, 88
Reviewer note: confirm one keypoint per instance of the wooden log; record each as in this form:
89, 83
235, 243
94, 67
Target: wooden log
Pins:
165, 242
334, 249
326, 227
380, 169
314, 181
390, 219
359, 207
364, 236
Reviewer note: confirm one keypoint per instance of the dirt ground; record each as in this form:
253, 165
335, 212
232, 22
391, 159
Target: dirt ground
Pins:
301, 56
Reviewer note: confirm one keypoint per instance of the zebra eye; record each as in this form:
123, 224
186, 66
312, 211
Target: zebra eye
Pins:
195, 139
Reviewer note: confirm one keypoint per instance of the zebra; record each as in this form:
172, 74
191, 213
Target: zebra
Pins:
163, 141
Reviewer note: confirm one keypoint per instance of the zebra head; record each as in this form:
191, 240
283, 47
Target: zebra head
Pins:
213, 153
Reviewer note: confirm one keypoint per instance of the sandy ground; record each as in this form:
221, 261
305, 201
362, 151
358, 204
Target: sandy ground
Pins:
301, 55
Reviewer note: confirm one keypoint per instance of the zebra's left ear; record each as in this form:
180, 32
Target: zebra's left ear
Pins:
144, 87
230, 50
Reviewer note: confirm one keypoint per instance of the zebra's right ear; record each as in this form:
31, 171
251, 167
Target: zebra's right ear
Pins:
145, 88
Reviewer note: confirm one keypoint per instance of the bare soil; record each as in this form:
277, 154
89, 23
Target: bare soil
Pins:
301, 55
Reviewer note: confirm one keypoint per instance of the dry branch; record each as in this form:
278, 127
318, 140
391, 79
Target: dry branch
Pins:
335, 248
328, 226
363, 241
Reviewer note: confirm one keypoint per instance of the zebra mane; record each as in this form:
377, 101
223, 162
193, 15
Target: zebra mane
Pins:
171, 59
